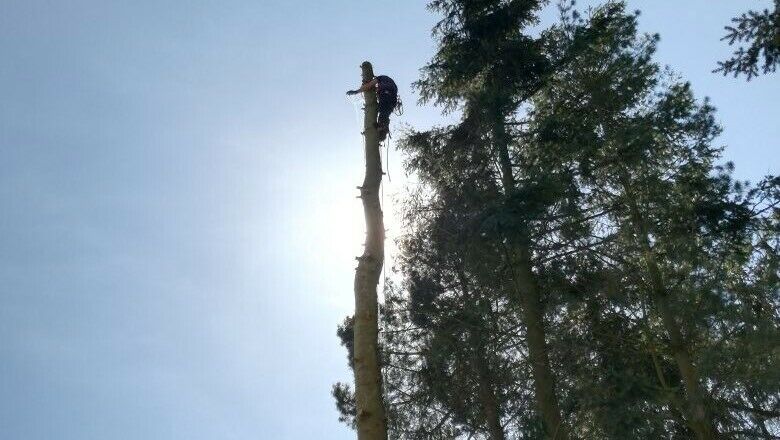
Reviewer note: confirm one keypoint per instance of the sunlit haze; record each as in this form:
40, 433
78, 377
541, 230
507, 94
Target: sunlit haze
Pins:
178, 211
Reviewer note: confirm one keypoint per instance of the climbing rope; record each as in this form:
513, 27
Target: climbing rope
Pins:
387, 171
357, 105
387, 158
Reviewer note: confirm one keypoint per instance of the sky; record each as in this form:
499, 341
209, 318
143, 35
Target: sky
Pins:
178, 221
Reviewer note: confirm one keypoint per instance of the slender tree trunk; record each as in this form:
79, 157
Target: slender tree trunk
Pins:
698, 418
486, 393
533, 318
501, 142
487, 398
371, 422
528, 296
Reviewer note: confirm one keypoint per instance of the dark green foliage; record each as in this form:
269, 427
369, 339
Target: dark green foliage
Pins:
342, 393
345, 403
650, 149
482, 48
346, 334
761, 32
641, 246
422, 294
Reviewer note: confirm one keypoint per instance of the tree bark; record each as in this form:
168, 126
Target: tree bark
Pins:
699, 419
370, 419
527, 294
533, 318
486, 393
487, 398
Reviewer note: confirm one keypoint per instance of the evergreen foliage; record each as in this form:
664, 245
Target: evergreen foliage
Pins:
576, 261
761, 32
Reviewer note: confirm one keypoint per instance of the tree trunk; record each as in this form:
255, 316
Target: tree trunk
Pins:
487, 398
533, 318
486, 393
527, 295
371, 423
698, 418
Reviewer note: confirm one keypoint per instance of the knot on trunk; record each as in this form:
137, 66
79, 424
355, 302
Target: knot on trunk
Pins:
363, 414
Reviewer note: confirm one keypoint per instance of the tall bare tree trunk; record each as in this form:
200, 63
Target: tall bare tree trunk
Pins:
371, 422
527, 294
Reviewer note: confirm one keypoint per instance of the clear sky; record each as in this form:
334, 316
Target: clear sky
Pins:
178, 223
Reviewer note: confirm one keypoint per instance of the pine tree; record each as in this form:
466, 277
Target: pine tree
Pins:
486, 63
642, 147
575, 261
761, 30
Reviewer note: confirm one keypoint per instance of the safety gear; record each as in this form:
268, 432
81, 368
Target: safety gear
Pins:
387, 98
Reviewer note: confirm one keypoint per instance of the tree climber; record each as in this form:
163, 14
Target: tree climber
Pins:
387, 98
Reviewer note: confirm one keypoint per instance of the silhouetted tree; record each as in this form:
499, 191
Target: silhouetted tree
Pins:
761, 32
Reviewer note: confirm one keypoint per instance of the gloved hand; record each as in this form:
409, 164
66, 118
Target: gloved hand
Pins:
353, 92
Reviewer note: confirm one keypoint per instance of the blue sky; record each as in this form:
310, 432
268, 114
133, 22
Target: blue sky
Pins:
177, 215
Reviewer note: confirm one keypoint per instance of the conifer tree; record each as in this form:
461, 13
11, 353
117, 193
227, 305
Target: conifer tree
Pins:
642, 147
487, 64
761, 31
576, 263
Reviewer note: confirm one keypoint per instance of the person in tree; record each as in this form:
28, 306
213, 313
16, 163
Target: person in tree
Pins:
387, 98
